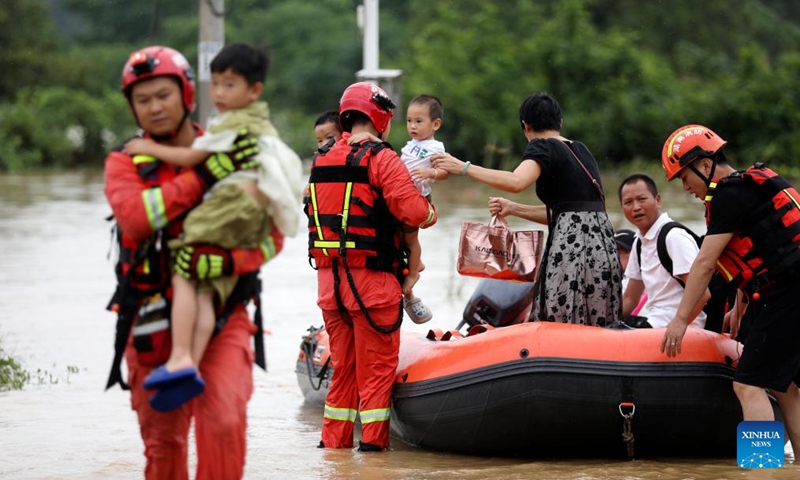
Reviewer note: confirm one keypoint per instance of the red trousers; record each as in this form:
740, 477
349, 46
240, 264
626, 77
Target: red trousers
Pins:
364, 366
220, 412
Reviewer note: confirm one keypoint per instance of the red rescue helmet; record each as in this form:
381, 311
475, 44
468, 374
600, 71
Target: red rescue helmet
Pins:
160, 61
686, 145
370, 100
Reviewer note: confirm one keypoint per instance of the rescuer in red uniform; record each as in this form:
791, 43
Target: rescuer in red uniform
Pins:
149, 200
753, 240
359, 194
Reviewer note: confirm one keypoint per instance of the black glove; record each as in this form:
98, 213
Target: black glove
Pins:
241, 157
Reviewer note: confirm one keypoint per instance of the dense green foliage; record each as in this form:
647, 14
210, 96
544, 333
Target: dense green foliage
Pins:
626, 76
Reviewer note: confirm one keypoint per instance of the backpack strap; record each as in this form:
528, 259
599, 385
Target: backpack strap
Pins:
637, 245
661, 246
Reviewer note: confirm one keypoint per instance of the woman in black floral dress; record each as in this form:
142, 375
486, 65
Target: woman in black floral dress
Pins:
580, 279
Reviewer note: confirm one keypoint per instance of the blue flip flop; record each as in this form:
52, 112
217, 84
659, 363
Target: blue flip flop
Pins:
172, 397
162, 378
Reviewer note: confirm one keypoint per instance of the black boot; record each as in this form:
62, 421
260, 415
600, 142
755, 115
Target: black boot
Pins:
321, 445
368, 447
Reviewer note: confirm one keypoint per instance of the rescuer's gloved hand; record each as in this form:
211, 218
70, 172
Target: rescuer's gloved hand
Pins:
241, 157
244, 151
203, 261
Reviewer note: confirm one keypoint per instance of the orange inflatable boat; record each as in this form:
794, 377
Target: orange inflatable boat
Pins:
543, 389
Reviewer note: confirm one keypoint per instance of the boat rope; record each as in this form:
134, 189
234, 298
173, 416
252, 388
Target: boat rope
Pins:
308, 346
627, 431
310, 365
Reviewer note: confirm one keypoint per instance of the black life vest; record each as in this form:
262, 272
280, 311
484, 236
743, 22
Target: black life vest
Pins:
347, 216
770, 246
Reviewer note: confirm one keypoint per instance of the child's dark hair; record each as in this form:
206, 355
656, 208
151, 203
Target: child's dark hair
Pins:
541, 112
635, 178
244, 60
331, 116
435, 108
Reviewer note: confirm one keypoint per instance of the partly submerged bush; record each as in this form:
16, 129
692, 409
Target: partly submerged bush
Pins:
12, 376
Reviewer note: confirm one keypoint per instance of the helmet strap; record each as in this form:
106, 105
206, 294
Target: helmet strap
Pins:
706, 179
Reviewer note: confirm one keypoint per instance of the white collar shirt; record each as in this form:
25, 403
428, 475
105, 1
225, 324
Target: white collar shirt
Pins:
664, 292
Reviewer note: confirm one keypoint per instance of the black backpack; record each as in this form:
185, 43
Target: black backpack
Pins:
721, 293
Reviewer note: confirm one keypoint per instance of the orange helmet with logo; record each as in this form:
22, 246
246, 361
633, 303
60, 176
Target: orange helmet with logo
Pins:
368, 99
686, 145
160, 61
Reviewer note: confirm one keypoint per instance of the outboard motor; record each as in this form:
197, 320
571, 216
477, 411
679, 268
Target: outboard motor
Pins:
499, 303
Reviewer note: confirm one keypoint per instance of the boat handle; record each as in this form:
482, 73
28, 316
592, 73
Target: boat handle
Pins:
629, 405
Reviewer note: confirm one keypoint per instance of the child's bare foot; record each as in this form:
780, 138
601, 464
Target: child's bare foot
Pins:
408, 284
180, 363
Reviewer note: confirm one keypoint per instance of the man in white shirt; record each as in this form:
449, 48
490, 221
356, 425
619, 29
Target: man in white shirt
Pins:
641, 205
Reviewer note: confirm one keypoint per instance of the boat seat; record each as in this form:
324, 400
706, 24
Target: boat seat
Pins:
451, 334
480, 328
434, 334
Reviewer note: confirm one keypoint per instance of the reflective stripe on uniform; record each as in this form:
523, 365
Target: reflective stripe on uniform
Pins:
711, 187
141, 159
151, 327
312, 189
431, 216
268, 248
343, 414
348, 192
325, 244
376, 415
788, 194
333, 244
724, 271
154, 206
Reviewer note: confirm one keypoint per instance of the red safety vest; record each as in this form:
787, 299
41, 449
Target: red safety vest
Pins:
347, 216
770, 245
149, 258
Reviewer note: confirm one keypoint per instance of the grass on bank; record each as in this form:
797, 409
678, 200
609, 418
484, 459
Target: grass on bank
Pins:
12, 375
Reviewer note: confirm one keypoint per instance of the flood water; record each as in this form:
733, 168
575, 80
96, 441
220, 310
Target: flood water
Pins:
55, 280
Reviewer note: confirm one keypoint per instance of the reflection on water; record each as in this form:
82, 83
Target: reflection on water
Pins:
55, 280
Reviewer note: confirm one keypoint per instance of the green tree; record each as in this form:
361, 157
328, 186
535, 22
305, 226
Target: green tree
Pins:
29, 45
625, 75
58, 127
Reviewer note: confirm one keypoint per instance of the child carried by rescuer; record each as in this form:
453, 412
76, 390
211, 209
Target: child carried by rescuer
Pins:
423, 118
326, 127
240, 210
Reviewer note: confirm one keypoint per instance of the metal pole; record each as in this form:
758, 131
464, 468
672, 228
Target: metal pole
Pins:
211, 39
371, 40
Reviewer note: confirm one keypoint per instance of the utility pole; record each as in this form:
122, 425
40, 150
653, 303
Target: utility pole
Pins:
389, 80
211, 39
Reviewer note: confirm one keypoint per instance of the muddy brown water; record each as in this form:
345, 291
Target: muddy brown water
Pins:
55, 279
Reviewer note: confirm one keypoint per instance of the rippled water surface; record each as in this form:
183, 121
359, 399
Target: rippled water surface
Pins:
55, 280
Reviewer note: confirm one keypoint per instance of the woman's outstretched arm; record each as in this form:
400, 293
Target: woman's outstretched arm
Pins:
521, 178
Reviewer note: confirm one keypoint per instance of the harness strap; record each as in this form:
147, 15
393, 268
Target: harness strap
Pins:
247, 288
336, 283
125, 304
258, 341
363, 307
